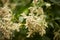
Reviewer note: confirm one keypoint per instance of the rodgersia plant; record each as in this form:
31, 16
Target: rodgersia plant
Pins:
35, 21
29, 20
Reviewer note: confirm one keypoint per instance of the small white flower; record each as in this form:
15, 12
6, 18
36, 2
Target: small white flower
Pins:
48, 4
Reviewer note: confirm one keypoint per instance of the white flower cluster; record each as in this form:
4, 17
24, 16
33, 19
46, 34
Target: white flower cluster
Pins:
35, 23
56, 35
6, 25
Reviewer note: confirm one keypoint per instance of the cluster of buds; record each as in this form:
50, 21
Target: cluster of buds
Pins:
56, 35
35, 21
6, 25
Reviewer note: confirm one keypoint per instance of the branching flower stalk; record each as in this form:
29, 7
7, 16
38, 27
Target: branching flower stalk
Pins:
35, 21
6, 25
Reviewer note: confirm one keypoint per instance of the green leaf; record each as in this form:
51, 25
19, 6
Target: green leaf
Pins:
56, 2
21, 6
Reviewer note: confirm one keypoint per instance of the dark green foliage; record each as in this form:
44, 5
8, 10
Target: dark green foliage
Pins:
20, 8
21, 34
1, 4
